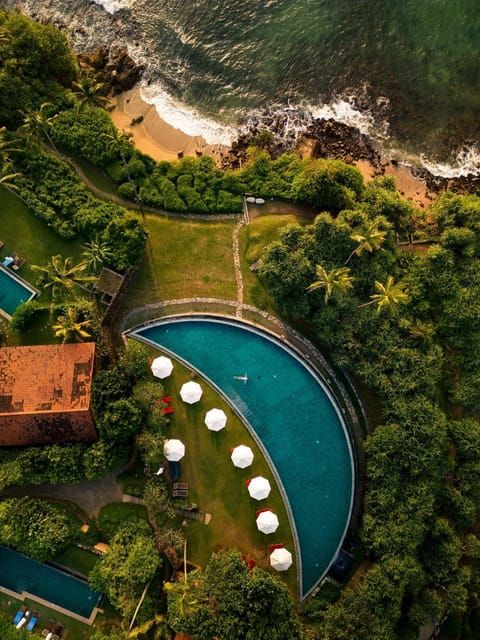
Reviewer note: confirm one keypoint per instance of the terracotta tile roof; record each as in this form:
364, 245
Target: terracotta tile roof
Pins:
45, 394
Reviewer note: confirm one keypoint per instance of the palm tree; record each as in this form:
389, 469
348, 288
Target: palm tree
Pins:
70, 328
62, 278
6, 178
191, 595
161, 630
389, 296
96, 253
88, 91
36, 124
6, 147
371, 239
423, 330
336, 282
117, 141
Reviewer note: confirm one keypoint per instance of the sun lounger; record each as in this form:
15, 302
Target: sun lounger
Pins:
166, 399
31, 623
18, 615
17, 263
20, 624
180, 493
272, 547
180, 485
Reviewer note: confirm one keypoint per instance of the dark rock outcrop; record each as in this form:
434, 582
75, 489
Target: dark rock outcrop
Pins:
116, 70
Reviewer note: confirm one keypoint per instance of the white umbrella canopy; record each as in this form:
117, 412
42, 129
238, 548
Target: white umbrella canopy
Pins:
173, 450
259, 488
281, 559
267, 522
242, 456
215, 419
162, 367
191, 392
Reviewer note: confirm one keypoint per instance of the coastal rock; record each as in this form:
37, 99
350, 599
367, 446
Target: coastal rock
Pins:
116, 70
295, 131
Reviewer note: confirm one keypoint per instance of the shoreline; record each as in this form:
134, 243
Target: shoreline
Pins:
160, 140
155, 137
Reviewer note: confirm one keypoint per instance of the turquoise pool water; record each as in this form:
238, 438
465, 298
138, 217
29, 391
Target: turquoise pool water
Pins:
293, 416
12, 292
19, 573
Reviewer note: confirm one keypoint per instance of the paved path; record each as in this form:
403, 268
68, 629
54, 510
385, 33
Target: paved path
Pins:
89, 495
237, 265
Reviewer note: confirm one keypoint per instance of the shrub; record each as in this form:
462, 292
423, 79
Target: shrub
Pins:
127, 190
171, 199
23, 314
228, 203
117, 172
115, 515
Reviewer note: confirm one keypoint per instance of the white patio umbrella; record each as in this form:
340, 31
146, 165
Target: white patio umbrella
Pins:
191, 392
162, 367
242, 456
267, 522
215, 419
281, 559
173, 450
259, 487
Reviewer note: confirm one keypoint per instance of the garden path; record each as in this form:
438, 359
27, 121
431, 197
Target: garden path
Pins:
89, 495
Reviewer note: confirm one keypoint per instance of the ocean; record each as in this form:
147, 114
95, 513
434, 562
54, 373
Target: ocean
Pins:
405, 72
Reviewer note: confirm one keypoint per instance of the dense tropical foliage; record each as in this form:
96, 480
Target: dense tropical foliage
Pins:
407, 326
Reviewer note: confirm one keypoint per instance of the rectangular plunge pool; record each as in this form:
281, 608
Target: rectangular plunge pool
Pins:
13, 291
19, 573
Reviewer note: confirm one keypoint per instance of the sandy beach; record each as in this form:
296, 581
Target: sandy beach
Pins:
161, 141
153, 135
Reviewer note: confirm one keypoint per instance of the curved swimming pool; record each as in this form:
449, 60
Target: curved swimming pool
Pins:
293, 416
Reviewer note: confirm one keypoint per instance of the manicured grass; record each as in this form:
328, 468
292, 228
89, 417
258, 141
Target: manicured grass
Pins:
22, 232
254, 238
184, 259
30, 237
74, 630
76, 559
217, 486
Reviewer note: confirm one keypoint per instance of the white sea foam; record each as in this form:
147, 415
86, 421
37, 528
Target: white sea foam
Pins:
466, 162
186, 118
343, 110
114, 5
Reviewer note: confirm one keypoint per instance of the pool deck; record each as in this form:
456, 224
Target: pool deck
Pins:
302, 349
344, 391
46, 603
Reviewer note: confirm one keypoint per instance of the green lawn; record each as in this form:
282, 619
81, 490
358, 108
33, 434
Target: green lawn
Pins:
30, 237
76, 559
217, 486
74, 630
22, 232
184, 259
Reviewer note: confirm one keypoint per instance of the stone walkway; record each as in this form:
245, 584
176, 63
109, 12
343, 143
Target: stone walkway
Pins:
89, 495
237, 265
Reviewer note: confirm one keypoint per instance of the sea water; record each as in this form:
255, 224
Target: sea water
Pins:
407, 73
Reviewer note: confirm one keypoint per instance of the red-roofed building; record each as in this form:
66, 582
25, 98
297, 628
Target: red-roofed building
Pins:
45, 394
